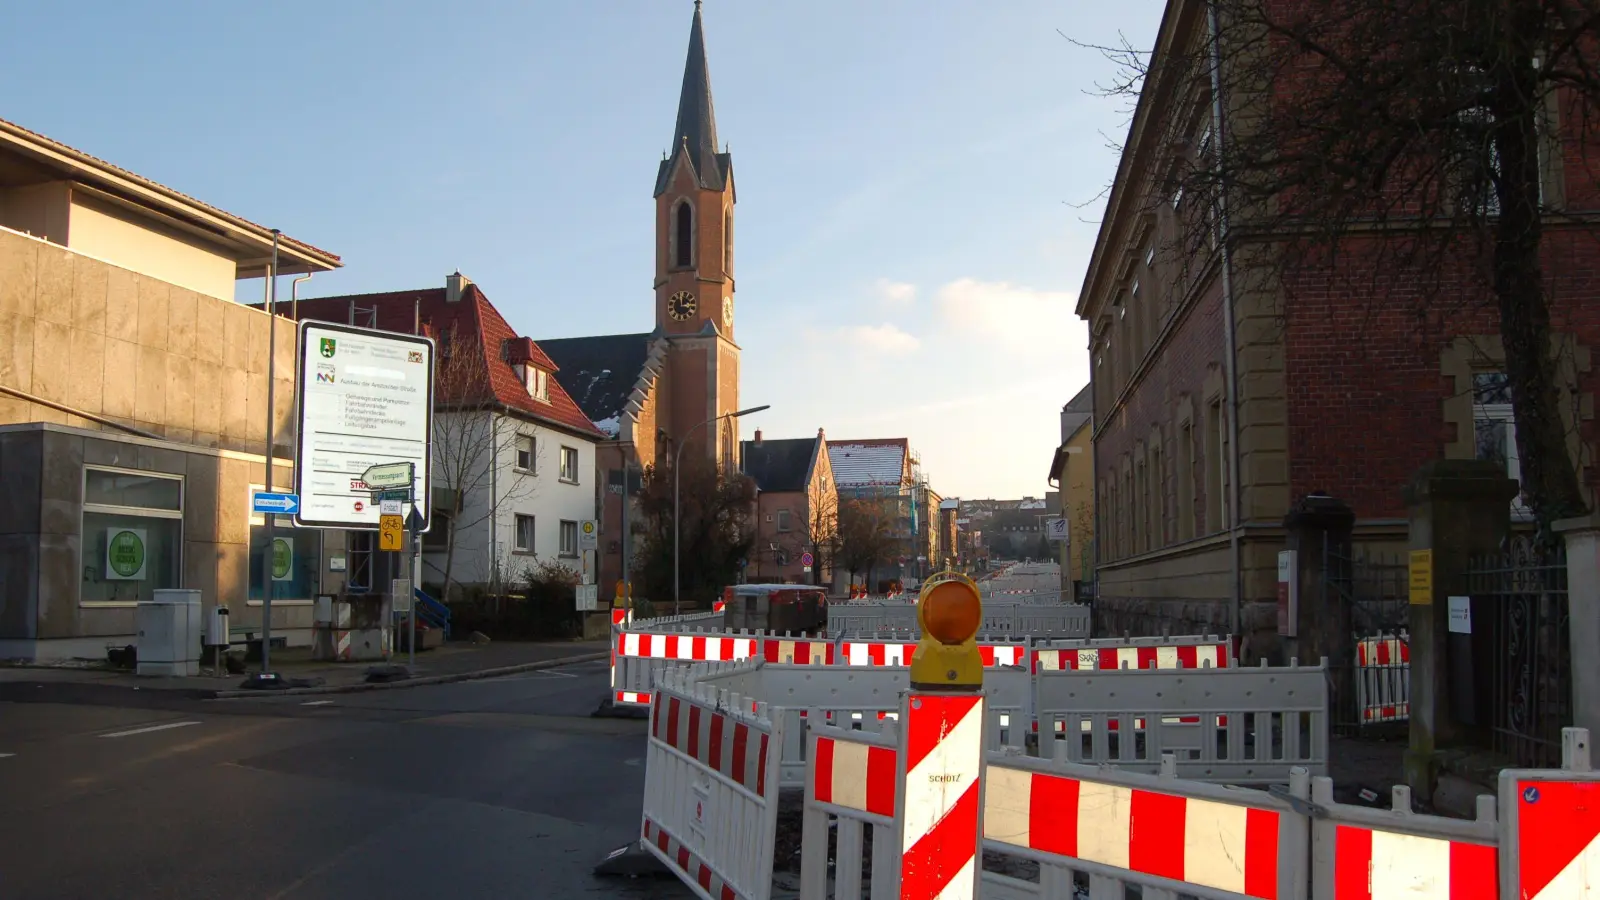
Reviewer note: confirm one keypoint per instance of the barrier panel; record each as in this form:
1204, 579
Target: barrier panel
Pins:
1373, 853
854, 778
1195, 651
1167, 836
1013, 618
1383, 678
711, 789
1550, 827
1238, 726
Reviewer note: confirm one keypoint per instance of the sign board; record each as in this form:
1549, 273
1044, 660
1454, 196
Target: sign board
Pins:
403, 495
1422, 577
282, 559
365, 401
336, 563
699, 799
1288, 593
1550, 828
1460, 615
589, 535
1056, 530
588, 597
391, 532
388, 507
282, 504
807, 560
127, 554
385, 476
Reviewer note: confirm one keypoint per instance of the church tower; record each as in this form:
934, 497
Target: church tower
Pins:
694, 267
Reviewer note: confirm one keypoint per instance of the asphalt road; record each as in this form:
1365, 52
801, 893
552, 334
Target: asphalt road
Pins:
1031, 577
486, 789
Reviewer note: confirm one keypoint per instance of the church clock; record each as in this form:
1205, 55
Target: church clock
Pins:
681, 306
727, 313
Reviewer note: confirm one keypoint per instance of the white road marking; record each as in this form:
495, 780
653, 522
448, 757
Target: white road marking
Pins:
316, 703
148, 728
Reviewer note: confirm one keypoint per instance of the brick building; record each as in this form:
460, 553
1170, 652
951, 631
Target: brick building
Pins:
1222, 395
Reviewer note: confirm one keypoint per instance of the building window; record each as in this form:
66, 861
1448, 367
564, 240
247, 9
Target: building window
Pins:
683, 235
1158, 508
538, 383
132, 535
1141, 507
727, 242
569, 465
1150, 256
569, 538
784, 523
526, 459
1495, 430
523, 534
1213, 452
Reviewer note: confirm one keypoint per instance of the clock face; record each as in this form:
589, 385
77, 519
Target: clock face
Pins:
727, 313
681, 305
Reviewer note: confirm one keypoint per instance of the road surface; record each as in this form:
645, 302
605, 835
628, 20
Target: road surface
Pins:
484, 789
1030, 577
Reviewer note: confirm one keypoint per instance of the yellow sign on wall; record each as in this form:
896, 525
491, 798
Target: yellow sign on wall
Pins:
1422, 577
391, 532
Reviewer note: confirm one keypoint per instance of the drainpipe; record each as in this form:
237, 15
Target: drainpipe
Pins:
1230, 357
294, 298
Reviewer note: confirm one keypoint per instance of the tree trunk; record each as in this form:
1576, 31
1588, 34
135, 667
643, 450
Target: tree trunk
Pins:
450, 552
1549, 478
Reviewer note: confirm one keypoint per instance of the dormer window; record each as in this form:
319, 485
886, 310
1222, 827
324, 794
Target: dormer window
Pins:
538, 383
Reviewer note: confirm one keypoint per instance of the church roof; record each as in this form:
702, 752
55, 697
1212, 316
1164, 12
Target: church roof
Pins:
600, 371
695, 133
780, 465
472, 318
879, 462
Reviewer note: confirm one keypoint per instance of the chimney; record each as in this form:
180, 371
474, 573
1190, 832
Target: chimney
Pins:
758, 437
455, 285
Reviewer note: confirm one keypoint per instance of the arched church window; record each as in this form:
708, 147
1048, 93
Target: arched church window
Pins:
727, 242
683, 235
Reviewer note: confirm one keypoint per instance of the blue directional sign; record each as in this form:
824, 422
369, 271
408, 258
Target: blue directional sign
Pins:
282, 504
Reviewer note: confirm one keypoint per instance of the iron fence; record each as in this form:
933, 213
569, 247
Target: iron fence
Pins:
1367, 593
1520, 626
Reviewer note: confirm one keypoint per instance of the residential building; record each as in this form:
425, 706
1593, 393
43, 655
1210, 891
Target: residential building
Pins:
949, 533
674, 386
514, 473
1222, 395
797, 509
886, 472
1072, 472
134, 405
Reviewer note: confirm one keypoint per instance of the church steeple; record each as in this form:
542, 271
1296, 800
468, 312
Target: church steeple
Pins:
695, 135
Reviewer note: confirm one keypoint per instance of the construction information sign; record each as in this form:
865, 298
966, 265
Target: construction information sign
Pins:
366, 398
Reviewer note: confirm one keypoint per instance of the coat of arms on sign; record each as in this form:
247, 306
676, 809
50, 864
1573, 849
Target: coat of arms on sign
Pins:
327, 347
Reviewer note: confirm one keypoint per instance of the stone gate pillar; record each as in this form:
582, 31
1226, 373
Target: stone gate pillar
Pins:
1459, 508
1582, 536
1319, 529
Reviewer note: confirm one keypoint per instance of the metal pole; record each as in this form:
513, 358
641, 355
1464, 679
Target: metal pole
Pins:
411, 645
268, 517
677, 457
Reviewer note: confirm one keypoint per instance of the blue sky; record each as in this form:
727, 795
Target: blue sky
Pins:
907, 255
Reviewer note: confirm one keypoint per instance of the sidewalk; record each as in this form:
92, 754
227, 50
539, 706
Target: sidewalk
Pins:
1378, 765
456, 661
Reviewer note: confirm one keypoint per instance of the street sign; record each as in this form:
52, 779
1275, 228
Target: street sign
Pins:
389, 507
388, 475
401, 495
391, 531
588, 535
283, 504
364, 414
588, 597
400, 596
806, 559
1056, 530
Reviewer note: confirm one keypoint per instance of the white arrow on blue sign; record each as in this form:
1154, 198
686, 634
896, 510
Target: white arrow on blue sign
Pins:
283, 504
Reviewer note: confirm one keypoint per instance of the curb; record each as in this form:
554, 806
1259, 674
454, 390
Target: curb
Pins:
413, 682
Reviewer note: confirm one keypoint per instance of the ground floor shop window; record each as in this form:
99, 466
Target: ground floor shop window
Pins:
296, 558
132, 539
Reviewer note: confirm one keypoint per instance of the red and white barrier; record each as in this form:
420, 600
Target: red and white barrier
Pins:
940, 811
1181, 653
854, 775
1550, 838
1383, 679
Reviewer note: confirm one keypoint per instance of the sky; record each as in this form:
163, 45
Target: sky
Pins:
912, 175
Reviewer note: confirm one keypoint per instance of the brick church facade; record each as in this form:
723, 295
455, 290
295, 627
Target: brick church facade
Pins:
653, 391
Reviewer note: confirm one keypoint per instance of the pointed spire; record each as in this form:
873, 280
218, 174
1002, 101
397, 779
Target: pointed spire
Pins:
695, 133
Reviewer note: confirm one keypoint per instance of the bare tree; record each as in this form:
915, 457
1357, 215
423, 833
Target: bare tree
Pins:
865, 536
472, 438
1415, 149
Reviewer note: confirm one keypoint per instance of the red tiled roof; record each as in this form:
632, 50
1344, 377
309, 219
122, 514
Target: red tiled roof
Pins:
472, 318
7, 125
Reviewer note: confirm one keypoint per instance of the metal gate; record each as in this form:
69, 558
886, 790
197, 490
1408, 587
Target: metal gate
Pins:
1522, 684
1369, 594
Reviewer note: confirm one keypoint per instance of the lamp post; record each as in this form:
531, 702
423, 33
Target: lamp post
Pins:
677, 457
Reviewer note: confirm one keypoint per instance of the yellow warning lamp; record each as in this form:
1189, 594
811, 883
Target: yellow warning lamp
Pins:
950, 611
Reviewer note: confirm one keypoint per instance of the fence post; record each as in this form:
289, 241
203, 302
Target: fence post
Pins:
1458, 508
1583, 616
1319, 529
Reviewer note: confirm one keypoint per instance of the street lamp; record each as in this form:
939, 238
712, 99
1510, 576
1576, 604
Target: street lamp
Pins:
677, 457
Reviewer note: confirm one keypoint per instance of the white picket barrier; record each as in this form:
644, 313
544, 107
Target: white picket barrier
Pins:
1189, 651
711, 789
1355, 848
1019, 617
1383, 678
1237, 726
